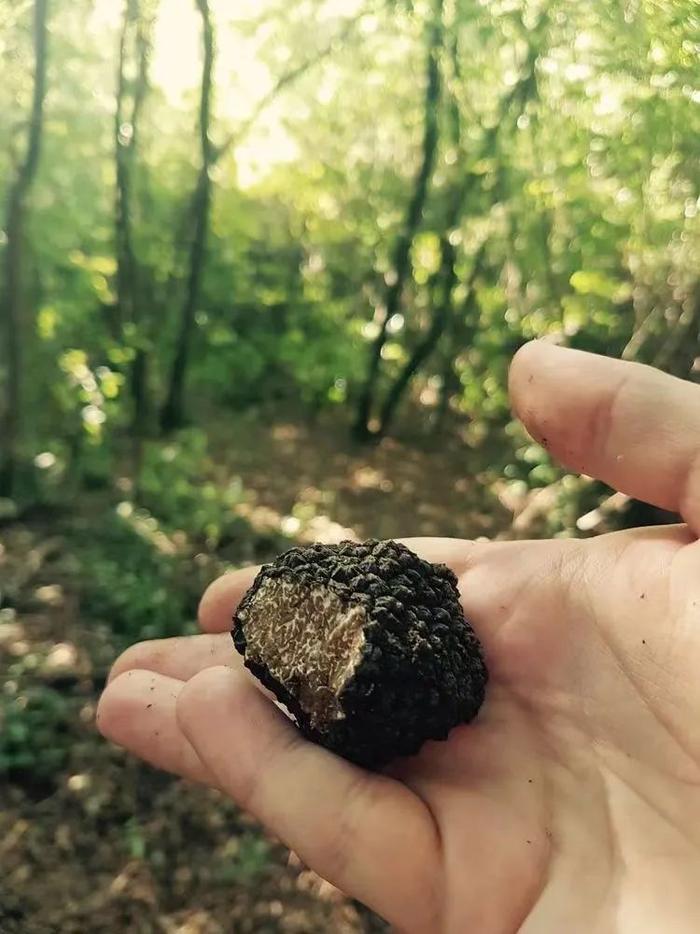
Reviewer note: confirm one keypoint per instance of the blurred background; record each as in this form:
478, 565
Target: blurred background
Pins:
262, 269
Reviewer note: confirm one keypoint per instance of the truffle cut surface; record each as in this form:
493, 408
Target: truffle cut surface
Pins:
309, 640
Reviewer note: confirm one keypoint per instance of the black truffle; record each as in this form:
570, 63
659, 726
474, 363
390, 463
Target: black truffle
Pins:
365, 644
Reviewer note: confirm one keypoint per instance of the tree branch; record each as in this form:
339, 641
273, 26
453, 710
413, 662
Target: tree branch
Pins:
402, 259
444, 281
429, 341
287, 79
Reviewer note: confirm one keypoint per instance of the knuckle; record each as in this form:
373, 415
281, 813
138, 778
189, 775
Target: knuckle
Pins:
274, 759
192, 696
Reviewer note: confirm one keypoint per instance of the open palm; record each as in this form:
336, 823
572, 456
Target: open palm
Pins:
572, 803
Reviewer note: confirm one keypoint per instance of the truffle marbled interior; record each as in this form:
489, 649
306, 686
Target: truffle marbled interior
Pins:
308, 638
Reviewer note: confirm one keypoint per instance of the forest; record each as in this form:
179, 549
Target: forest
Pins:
263, 267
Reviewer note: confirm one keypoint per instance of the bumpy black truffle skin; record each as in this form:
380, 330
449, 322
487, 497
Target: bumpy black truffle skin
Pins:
422, 670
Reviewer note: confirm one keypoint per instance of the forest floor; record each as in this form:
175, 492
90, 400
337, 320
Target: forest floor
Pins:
91, 840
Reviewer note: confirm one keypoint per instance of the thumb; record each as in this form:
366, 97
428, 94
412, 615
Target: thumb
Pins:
629, 425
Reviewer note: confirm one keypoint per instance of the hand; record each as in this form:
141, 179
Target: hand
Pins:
572, 803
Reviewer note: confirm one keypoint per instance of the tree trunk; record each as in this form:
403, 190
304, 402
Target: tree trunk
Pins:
173, 413
449, 385
429, 342
11, 300
680, 348
402, 250
446, 278
123, 158
463, 329
130, 298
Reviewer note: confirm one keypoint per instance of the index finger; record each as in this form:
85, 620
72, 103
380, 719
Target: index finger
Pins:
217, 606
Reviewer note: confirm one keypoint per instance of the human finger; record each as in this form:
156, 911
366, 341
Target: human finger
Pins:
221, 598
180, 657
629, 425
365, 833
137, 710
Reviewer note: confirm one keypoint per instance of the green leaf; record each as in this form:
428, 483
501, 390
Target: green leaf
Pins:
591, 282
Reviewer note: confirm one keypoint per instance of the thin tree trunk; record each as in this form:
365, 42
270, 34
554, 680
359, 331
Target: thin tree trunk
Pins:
11, 300
463, 329
680, 349
430, 339
181, 240
173, 413
130, 298
449, 376
122, 153
446, 278
449, 385
556, 283
139, 376
402, 250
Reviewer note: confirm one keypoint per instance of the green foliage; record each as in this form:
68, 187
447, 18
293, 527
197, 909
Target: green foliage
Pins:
572, 129
529, 463
34, 733
172, 486
134, 839
245, 859
131, 578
